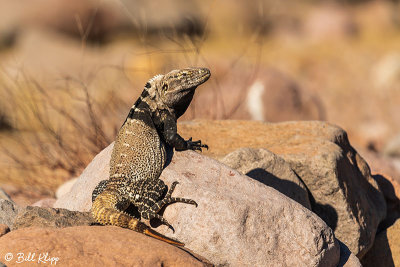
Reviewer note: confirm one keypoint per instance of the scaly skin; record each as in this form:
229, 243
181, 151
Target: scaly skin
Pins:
139, 153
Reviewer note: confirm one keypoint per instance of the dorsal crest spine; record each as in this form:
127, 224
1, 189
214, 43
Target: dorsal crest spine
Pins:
155, 78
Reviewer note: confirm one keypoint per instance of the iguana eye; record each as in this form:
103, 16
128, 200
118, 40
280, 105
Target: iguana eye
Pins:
165, 86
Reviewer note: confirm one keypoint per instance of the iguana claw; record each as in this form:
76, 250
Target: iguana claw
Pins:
195, 145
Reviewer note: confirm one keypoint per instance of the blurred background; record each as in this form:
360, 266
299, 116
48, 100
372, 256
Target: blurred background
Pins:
71, 69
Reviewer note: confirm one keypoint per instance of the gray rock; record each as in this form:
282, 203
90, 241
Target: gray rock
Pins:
8, 212
49, 217
239, 221
269, 169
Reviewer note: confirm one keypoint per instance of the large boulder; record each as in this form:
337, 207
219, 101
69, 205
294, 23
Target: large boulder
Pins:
92, 246
239, 221
344, 194
270, 169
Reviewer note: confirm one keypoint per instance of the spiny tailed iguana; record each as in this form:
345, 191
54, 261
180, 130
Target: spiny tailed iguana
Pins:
139, 153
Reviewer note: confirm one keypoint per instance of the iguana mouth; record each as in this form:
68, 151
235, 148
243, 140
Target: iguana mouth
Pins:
205, 77
198, 78
206, 74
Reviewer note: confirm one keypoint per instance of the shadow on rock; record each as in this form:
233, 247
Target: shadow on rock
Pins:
392, 202
380, 253
285, 187
325, 211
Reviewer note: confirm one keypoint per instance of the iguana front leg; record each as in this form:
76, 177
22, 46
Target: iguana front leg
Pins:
174, 139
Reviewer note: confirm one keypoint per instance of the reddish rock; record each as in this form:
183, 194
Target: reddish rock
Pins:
93, 246
386, 249
393, 234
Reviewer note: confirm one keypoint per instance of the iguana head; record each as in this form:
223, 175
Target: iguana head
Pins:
176, 88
